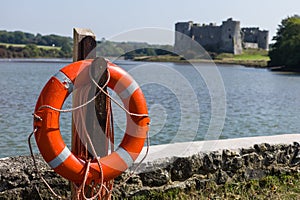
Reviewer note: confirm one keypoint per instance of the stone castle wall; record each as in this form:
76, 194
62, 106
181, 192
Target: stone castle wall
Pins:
256, 37
231, 37
228, 37
208, 36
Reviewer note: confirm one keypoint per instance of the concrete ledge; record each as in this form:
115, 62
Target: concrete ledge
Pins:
166, 153
186, 149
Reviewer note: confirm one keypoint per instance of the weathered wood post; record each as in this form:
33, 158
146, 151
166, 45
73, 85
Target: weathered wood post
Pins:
84, 43
85, 48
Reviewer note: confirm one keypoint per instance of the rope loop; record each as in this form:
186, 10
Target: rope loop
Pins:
35, 165
36, 117
81, 188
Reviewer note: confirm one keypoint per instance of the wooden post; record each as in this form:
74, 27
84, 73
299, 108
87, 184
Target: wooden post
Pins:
84, 43
85, 48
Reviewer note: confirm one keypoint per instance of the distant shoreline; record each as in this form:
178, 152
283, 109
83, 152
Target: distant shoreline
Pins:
246, 63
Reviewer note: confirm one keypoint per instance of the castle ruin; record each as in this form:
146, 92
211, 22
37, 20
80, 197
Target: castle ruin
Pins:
228, 37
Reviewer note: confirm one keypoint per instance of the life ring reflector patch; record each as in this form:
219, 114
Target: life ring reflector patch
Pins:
49, 139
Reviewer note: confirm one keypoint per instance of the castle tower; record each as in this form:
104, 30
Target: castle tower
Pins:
263, 40
183, 34
231, 41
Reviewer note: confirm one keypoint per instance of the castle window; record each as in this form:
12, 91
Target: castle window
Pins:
229, 36
229, 29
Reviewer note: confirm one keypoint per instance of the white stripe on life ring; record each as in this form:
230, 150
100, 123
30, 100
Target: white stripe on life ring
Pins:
129, 90
125, 156
64, 79
60, 158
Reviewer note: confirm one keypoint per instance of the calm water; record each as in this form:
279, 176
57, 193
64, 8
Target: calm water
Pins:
181, 100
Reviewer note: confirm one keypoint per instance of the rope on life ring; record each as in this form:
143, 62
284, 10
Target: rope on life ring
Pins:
47, 130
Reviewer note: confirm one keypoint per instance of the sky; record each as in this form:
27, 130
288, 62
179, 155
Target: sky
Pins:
138, 20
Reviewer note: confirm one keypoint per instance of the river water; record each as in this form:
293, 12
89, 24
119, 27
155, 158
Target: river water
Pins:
186, 102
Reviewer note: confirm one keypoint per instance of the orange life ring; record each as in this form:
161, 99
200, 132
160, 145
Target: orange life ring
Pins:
49, 139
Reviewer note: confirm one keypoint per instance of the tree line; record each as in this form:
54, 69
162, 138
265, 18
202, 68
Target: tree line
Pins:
32, 51
19, 37
30, 48
285, 51
129, 50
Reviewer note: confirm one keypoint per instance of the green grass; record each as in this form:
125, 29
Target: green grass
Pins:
247, 55
48, 47
13, 45
251, 57
279, 187
160, 195
270, 187
163, 58
23, 45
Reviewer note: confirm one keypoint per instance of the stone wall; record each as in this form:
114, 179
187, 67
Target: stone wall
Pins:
250, 45
183, 37
263, 39
208, 36
228, 37
187, 173
231, 41
18, 179
254, 35
224, 38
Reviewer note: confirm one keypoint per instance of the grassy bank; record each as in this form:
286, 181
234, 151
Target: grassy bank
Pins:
162, 58
23, 45
281, 187
249, 57
8, 50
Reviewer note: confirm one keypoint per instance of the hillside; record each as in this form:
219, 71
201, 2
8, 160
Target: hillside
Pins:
18, 44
